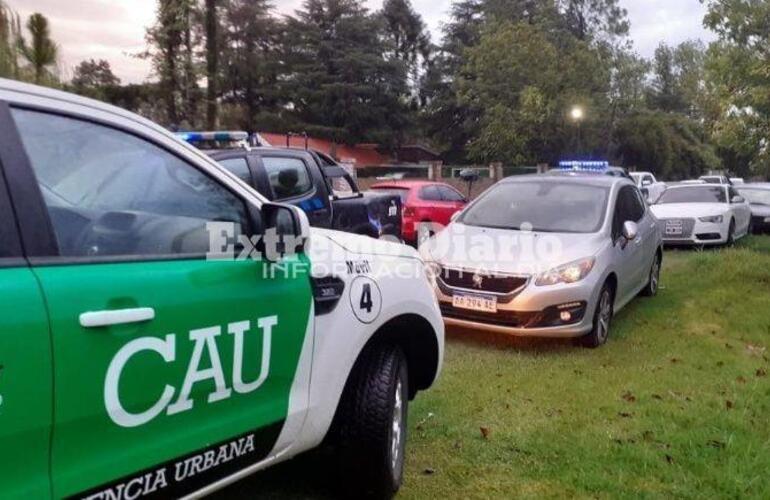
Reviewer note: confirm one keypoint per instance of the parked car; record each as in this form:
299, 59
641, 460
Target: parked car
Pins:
716, 179
758, 196
424, 202
610, 250
140, 358
702, 214
312, 181
648, 185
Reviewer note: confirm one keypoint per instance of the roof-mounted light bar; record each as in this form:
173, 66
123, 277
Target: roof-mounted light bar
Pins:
593, 166
220, 136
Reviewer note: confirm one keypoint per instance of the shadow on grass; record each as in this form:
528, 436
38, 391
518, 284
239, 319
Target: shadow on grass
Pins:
502, 341
308, 476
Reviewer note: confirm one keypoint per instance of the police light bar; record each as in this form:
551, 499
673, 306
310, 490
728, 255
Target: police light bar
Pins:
592, 166
220, 136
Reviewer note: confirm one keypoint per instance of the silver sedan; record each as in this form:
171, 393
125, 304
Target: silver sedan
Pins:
547, 256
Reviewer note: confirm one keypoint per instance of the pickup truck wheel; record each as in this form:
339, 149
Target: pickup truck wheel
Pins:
371, 424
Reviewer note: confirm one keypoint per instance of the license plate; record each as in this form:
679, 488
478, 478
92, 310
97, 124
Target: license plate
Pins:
475, 303
674, 228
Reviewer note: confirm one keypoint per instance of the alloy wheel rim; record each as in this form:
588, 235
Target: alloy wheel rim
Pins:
396, 432
655, 278
605, 314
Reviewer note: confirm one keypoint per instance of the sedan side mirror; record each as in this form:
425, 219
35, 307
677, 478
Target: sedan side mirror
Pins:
630, 230
286, 231
738, 199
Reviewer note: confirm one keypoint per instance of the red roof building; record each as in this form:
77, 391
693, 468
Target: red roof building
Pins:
361, 155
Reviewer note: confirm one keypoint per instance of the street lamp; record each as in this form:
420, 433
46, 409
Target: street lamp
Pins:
577, 115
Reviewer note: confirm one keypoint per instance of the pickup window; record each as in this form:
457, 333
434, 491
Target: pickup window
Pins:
288, 176
239, 167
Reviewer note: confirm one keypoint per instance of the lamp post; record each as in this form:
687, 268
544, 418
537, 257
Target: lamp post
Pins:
577, 114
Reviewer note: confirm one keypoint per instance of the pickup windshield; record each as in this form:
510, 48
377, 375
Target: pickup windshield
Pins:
544, 206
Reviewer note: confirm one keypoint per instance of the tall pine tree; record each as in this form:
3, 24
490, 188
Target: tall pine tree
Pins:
342, 87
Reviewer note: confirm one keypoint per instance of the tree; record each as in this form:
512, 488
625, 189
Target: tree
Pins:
252, 66
93, 78
212, 62
171, 50
10, 35
678, 78
407, 40
595, 19
41, 52
738, 80
669, 145
342, 88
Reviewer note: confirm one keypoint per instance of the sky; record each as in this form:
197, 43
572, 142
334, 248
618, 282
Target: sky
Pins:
114, 29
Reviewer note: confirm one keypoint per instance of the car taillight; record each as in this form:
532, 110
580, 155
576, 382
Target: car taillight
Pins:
408, 212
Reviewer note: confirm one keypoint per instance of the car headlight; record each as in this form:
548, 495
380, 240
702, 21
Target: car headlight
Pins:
713, 219
568, 273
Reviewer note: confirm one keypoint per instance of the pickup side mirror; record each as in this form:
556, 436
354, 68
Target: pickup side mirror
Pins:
286, 231
737, 200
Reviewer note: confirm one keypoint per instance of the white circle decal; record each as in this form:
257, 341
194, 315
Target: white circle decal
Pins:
365, 299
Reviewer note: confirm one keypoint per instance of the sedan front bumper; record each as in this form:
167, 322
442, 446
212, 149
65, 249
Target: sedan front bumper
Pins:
534, 311
694, 232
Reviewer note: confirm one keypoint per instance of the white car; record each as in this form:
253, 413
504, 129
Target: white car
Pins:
649, 185
702, 214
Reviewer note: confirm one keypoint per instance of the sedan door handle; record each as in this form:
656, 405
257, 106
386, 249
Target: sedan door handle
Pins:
98, 319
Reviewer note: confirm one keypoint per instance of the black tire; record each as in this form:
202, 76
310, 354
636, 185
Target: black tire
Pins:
731, 234
653, 280
602, 319
369, 429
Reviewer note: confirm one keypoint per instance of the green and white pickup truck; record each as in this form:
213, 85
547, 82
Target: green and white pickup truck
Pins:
146, 350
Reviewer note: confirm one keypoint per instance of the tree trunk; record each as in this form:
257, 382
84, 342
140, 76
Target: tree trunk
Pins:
212, 64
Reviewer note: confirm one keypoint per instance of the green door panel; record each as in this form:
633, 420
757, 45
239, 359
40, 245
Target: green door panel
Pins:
25, 387
206, 314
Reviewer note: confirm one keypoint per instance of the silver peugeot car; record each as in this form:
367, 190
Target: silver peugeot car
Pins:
547, 256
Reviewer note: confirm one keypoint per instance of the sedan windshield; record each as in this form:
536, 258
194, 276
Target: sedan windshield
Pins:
756, 196
694, 194
544, 206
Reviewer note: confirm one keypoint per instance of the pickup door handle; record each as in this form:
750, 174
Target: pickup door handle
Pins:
98, 319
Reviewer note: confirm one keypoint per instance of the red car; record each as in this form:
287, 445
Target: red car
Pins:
424, 201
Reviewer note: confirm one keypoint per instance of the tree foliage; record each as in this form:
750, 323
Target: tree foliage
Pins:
40, 51
739, 80
341, 86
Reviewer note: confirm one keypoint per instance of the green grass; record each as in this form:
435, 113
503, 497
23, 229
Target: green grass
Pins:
675, 405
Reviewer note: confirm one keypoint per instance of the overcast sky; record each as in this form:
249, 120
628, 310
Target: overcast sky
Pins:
114, 29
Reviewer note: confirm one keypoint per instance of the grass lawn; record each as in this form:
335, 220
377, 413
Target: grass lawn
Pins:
677, 404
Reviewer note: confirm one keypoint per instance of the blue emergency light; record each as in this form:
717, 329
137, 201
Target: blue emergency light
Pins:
584, 166
219, 136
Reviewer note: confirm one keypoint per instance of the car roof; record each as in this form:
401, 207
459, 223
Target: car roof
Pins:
571, 178
754, 185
